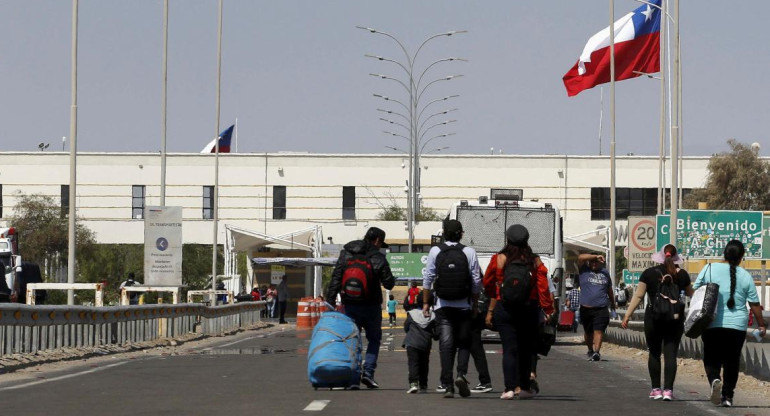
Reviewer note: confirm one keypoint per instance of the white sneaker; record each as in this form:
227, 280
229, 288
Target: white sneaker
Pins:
482, 388
413, 388
716, 392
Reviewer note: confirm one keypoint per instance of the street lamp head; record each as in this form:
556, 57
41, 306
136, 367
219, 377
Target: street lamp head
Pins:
455, 32
367, 28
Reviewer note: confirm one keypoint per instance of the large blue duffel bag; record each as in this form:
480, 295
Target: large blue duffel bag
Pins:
334, 356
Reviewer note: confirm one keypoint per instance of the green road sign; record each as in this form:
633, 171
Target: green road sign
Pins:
407, 265
631, 278
703, 234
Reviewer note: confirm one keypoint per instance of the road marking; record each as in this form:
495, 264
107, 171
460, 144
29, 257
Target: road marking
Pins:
34, 383
316, 405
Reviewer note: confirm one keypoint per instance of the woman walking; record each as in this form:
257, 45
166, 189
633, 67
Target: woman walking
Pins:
723, 339
516, 282
662, 335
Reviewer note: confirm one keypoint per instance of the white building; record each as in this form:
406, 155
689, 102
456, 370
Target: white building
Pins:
276, 193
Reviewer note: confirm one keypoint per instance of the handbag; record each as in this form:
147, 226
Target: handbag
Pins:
703, 306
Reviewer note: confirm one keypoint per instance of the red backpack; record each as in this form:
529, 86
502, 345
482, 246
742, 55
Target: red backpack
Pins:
356, 279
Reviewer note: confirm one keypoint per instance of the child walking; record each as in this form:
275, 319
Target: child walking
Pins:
419, 339
392, 310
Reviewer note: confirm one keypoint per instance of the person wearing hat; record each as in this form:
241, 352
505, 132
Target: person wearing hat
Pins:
364, 304
596, 295
662, 336
516, 282
452, 271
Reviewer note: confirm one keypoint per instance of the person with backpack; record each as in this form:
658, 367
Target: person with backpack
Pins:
723, 339
516, 282
452, 272
411, 301
596, 294
665, 284
360, 271
133, 297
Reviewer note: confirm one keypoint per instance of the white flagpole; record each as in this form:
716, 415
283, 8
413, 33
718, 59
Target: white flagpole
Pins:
662, 144
613, 201
164, 70
675, 130
71, 245
601, 117
216, 162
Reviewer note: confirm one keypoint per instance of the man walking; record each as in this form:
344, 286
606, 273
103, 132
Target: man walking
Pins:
452, 271
596, 295
357, 276
283, 298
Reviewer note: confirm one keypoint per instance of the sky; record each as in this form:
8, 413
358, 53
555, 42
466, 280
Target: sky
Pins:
295, 76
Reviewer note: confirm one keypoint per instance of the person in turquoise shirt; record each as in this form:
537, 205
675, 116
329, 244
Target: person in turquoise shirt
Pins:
723, 339
392, 310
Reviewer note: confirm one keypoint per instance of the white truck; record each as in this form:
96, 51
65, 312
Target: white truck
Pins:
10, 260
485, 220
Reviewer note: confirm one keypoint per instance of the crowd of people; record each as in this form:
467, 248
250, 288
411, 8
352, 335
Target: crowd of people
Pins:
515, 296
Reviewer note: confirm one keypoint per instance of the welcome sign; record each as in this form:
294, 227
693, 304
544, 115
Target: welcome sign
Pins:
703, 234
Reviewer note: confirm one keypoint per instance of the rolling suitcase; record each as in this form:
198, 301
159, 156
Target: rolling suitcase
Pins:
566, 319
334, 355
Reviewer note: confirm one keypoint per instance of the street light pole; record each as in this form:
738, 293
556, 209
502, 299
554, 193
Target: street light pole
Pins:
413, 115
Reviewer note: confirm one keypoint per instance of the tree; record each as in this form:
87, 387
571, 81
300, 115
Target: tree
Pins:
737, 180
43, 232
393, 212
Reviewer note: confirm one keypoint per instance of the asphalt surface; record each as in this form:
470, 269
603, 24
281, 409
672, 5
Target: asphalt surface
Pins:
263, 372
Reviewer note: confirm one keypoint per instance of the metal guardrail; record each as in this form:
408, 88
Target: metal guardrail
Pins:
29, 329
755, 356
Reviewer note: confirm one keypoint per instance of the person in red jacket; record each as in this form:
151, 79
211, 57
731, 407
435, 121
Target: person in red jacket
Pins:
513, 315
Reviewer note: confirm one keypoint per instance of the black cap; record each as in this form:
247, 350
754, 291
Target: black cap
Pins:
374, 233
452, 227
517, 234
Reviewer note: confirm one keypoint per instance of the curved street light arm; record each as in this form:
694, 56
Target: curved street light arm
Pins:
450, 33
397, 135
396, 149
386, 98
392, 79
408, 59
446, 78
435, 101
422, 124
436, 150
394, 113
389, 60
451, 58
420, 135
394, 122
435, 137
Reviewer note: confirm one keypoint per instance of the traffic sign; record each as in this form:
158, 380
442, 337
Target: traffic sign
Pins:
631, 278
703, 234
641, 235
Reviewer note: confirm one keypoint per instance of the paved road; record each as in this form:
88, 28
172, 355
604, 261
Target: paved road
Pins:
264, 373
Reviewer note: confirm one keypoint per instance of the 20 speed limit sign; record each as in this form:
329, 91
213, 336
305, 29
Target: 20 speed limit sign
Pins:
641, 232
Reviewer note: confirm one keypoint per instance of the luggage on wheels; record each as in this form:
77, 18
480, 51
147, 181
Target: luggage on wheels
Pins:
334, 355
566, 320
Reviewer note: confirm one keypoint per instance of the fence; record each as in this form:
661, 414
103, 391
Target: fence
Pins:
29, 329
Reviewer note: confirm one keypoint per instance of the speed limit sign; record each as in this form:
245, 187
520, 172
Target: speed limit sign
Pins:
641, 233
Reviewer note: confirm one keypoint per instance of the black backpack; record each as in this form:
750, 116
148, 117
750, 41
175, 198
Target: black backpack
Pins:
453, 276
356, 278
666, 304
517, 283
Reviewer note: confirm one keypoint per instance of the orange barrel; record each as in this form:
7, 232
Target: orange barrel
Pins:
313, 312
303, 313
321, 307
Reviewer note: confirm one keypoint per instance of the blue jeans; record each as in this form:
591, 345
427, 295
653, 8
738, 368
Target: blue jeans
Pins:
368, 317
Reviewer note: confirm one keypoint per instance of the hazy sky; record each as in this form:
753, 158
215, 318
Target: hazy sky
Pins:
295, 75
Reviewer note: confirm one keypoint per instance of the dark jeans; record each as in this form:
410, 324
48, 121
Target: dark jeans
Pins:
722, 351
282, 309
419, 362
518, 332
454, 326
476, 351
662, 337
368, 317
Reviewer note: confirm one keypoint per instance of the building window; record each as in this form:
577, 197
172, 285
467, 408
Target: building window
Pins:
279, 202
629, 202
348, 202
137, 201
65, 200
208, 202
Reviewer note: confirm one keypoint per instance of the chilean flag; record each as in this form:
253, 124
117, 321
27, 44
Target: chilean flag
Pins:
637, 48
224, 142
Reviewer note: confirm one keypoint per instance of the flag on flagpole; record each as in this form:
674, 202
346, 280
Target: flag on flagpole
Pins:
224, 142
637, 48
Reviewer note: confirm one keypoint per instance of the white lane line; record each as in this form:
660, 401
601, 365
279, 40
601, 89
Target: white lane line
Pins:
34, 383
316, 405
